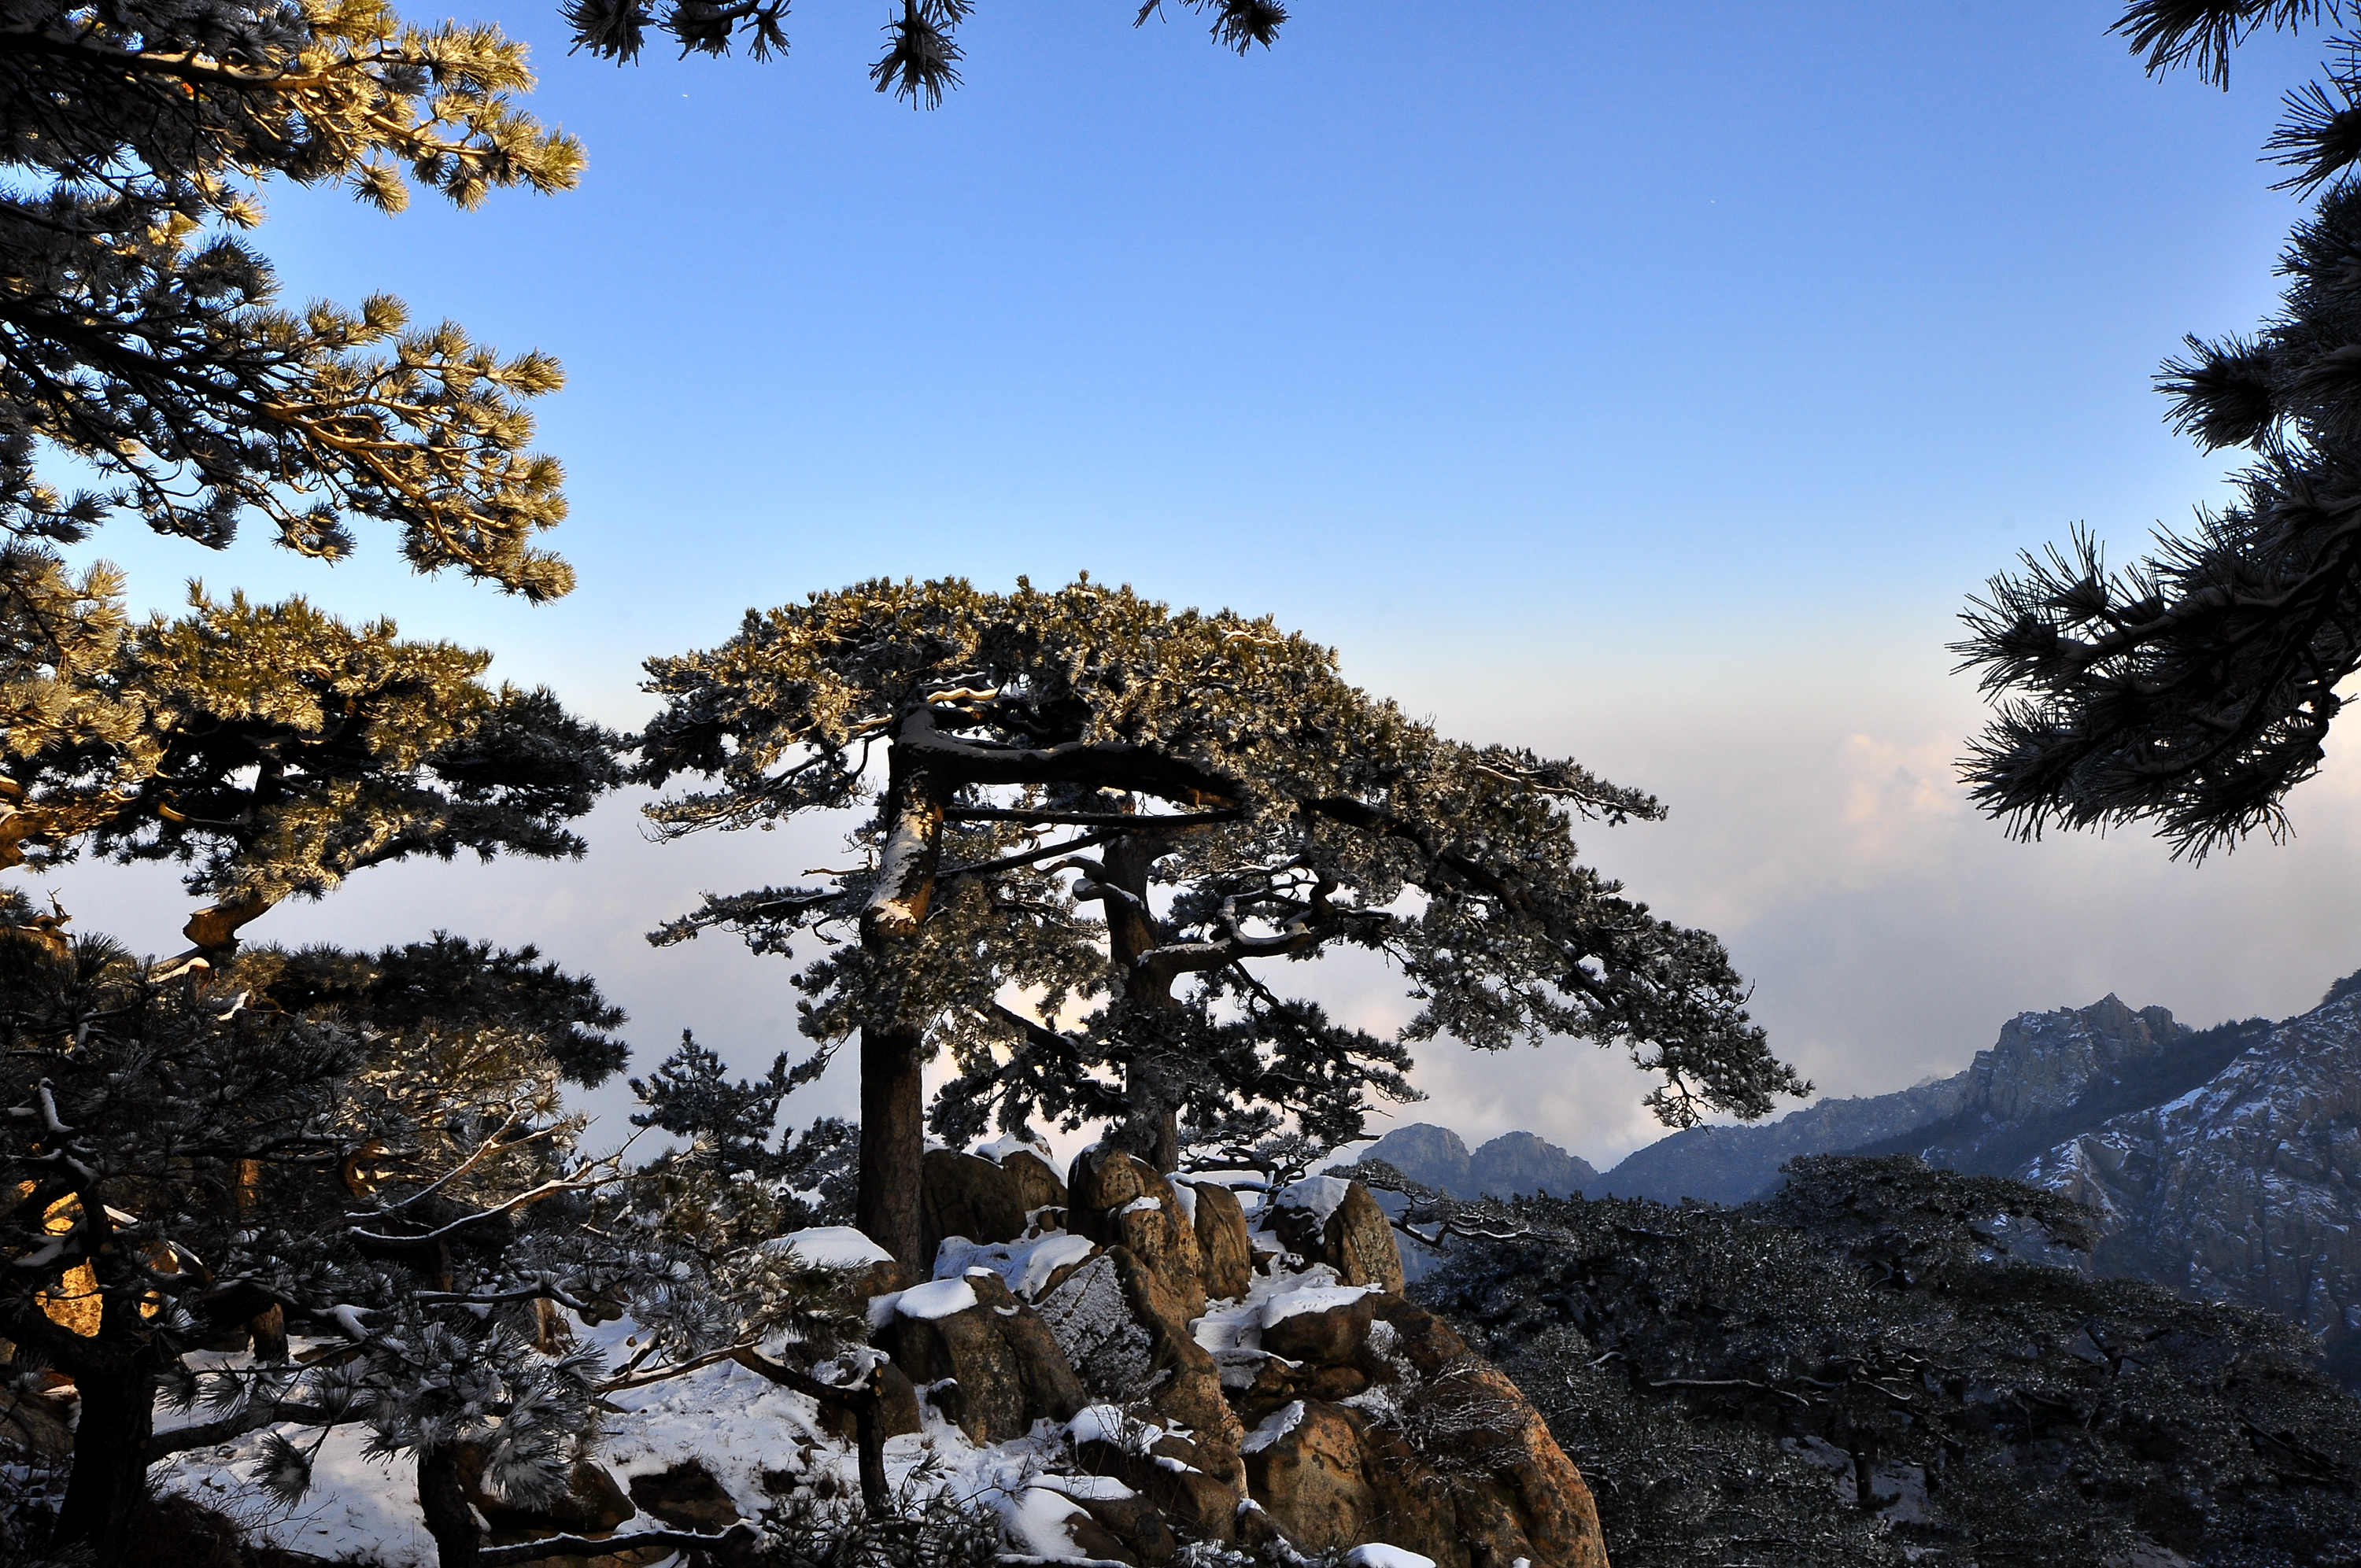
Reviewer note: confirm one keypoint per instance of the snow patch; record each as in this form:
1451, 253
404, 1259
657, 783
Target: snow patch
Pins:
1376, 1554
936, 1299
1090, 1488
830, 1246
1321, 1194
1318, 1298
1185, 1194
1027, 1266
1036, 1519
1275, 1426
998, 1151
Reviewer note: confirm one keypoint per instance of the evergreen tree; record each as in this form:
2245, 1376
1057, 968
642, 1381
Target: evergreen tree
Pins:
138, 333
810, 1173
2193, 690
141, 345
276, 751
1026, 742
922, 53
348, 1140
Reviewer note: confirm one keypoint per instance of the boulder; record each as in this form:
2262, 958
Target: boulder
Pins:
1035, 1179
1221, 1245
1120, 1201
35, 1428
1091, 1321
1304, 1466
1164, 1472
966, 1195
1185, 1385
899, 1413
1138, 1524
991, 1364
1324, 1332
1357, 1242
1330, 1220
1051, 1390
1515, 1493
685, 1496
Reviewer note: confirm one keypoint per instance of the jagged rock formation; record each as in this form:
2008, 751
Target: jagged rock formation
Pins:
1512, 1164
2224, 1163
2245, 1188
1226, 1378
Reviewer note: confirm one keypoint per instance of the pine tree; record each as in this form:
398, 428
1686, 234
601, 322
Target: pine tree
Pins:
1027, 740
922, 53
276, 751
345, 1141
139, 335
142, 346
2193, 690
730, 1125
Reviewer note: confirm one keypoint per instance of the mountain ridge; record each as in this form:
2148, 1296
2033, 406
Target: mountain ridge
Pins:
2223, 1163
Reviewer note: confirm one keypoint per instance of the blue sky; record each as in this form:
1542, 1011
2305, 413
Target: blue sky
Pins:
1649, 384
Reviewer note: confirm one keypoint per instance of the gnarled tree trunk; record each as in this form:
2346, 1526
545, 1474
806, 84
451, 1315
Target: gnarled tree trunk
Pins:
108, 1486
1151, 1129
443, 1498
893, 1050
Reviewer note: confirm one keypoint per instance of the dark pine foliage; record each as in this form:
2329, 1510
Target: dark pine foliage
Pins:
921, 58
1867, 1370
2192, 690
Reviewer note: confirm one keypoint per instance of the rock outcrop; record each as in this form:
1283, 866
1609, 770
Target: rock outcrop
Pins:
966, 1195
983, 1357
1239, 1380
2245, 1189
1338, 1224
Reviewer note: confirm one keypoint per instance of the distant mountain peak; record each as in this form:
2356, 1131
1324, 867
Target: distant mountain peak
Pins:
1510, 1165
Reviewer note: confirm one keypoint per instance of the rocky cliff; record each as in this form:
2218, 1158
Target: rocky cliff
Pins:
2245, 1188
2224, 1163
2049, 1077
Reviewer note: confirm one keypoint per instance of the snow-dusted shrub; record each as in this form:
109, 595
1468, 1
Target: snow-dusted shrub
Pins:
918, 1528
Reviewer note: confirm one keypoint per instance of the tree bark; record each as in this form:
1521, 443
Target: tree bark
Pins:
893, 1142
892, 1049
1152, 1127
108, 1486
443, 1498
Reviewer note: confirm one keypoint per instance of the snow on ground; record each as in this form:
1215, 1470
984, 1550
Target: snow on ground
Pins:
358, 1508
